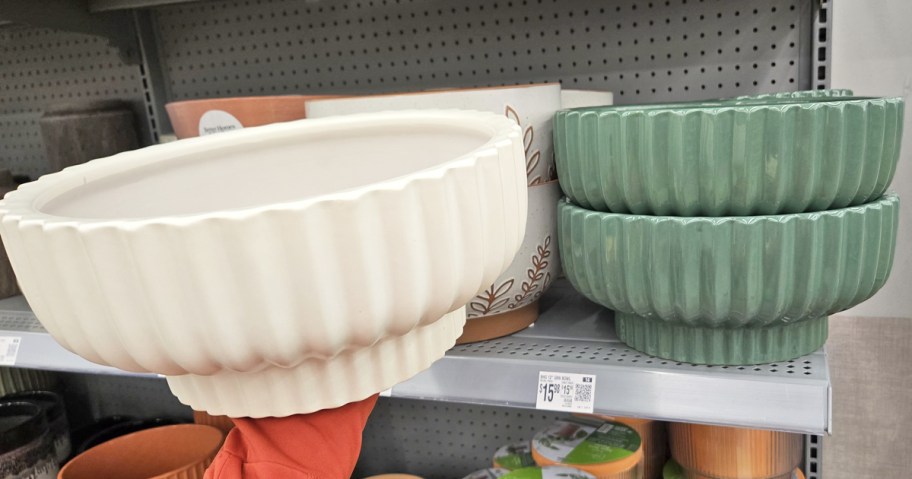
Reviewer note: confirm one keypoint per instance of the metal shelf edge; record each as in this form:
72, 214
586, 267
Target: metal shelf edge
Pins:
572, 335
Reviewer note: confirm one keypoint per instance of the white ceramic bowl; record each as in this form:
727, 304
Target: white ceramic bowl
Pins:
311, 258
531, 106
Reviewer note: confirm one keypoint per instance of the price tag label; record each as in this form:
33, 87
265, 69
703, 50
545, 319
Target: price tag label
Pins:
565, 392
9, 349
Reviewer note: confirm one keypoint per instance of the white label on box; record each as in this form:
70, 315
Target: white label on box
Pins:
217, 121
566, 392
9, 349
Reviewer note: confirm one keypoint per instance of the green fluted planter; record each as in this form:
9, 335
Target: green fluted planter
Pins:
733, 157
729, 290
826, 93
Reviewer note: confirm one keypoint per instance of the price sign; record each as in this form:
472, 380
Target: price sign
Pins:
565, 392
9, 349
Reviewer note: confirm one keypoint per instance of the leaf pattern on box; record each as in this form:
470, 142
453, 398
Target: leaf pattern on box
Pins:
493, 298
500, 298
533, 157
538, 278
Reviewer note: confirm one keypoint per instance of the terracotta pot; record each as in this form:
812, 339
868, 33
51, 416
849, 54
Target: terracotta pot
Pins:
182, 451
734, 453
82, 434
118, 429
223, 423
615, 450
673, 470
654, 435
214, 115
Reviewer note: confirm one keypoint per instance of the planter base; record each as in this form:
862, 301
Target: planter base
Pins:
317, 384
498, 325
721, 346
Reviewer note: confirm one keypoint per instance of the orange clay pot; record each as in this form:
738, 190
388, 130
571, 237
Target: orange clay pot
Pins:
232, 113
734, 453
222, 423
169, 452
655, 441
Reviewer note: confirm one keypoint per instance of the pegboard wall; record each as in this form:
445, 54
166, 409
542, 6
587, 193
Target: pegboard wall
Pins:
94, 396
40, 68
644, 51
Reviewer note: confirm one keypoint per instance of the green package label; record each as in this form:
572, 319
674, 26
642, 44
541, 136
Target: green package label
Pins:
672, 470
548, 472
490, 473
514, 456
569, 442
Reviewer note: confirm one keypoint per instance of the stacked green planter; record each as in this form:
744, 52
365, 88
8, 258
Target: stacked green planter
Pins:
726, 232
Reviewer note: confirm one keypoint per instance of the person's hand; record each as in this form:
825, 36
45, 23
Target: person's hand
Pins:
321, 445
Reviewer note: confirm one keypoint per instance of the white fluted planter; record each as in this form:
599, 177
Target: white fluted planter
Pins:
273, 249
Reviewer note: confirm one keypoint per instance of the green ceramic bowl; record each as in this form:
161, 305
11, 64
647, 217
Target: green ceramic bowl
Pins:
826, 93
730, 290
729, 158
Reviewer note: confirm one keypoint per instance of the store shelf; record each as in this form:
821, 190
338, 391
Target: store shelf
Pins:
573, 335
38, 350
109, 5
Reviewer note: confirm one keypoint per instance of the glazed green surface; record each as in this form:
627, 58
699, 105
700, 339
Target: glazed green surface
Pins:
826, 93
722, 346
695, 276
729, 157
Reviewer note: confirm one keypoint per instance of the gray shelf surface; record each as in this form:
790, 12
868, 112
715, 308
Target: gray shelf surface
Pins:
572, 335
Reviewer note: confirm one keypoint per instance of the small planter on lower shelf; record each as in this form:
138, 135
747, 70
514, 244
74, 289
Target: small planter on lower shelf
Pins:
169, 452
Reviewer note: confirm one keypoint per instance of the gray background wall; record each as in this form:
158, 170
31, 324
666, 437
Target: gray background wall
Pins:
870, 346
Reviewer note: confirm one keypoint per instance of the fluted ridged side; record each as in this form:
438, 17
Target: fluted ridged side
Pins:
148, 450
14, 380
709, 345
196, 471
729, 158
727, 452
320, 384
733, 272
826, 93
222, 423
274, 286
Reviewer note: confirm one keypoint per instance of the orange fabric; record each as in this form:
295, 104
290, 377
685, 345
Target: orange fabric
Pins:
322, 445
